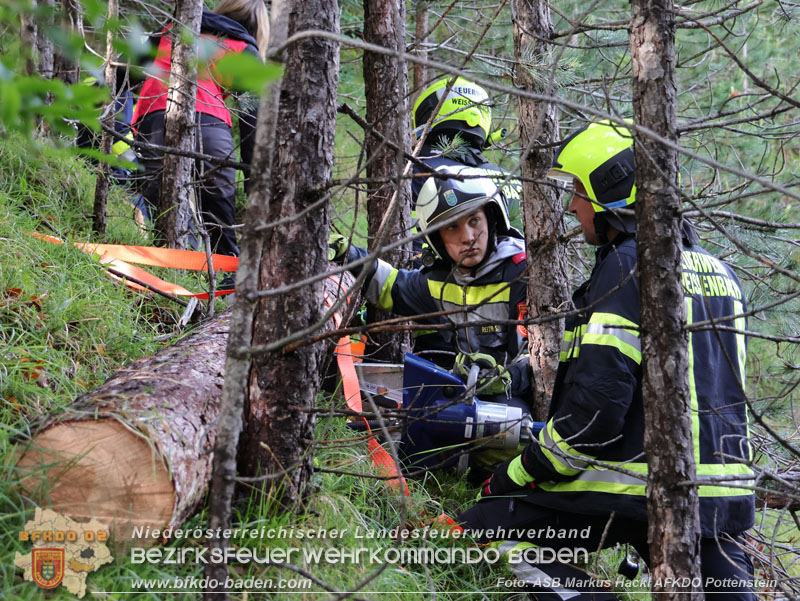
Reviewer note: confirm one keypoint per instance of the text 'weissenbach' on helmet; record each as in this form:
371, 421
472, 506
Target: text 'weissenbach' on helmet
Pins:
442, 200
465, 111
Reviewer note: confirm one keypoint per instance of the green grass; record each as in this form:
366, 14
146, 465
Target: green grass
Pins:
65, 326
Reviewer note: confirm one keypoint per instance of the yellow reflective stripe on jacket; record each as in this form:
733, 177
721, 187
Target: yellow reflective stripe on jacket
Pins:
379, 290
607, 329
562, 456
385, 300
505, 547
694, 404
469, 295
121, 146
607, 480
517, 472
571, 343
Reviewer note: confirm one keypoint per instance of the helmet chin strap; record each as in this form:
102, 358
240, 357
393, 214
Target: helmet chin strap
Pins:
601, 227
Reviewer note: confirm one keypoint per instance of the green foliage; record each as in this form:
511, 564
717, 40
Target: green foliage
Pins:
246, 72
23, 99
65, 326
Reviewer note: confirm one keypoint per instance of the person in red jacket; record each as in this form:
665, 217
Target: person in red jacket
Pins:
235, 26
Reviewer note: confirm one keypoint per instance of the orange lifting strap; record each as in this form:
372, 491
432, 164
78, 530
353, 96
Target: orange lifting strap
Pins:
118, 257
382, 461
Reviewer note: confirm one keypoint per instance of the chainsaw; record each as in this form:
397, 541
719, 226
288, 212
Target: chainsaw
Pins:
440, 413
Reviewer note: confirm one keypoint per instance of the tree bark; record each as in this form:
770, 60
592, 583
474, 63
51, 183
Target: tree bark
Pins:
282, 385
386, 89
44, 45
173, 220
673, 515
103, 184
542, 209
28, 35
238, 360
420, 33
72, 21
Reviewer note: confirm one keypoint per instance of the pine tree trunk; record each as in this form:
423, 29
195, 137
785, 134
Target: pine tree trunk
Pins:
106, 141
44, 45
28, 35
672, 509
542, 209
72, 22
283, 385
173, 220
420, 33
385, 90
238, 361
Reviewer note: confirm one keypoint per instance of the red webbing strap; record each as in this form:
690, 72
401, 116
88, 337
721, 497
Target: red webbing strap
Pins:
381, 459
112, 256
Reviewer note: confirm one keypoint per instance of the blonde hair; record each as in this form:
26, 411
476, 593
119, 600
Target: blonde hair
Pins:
253, 14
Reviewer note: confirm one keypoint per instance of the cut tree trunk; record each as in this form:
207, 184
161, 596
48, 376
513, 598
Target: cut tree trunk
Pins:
137, 451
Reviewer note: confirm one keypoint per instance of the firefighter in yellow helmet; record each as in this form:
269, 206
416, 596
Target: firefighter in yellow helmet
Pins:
587, 472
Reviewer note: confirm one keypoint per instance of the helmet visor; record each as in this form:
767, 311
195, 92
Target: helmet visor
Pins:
562, 176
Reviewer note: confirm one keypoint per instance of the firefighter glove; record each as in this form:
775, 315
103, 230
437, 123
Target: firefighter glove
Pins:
508, 477
337, 247
492, 378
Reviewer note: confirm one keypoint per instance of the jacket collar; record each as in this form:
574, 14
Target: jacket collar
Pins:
226, 27
506, 247
469, 156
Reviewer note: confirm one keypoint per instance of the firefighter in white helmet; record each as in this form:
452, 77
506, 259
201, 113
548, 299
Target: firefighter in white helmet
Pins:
477, 277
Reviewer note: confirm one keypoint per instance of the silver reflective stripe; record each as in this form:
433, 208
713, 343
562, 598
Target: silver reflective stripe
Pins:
538, 578
612, 477
506, 546
726, 481
493, 312
621, 333
375, 287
